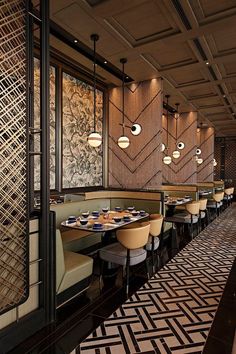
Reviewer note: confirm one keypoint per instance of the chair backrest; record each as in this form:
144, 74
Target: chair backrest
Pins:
193, 208
218, 196
203, 204
228, 191
60, 261
134, 238
155, 226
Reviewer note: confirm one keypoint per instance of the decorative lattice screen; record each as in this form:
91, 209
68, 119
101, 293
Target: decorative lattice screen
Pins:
13, 152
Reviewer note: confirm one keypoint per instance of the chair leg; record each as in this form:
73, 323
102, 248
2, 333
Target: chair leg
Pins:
191, 226
127, 272
147, 268
101, 267
153, 257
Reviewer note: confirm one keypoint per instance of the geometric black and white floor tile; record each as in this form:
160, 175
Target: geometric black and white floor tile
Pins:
173, 312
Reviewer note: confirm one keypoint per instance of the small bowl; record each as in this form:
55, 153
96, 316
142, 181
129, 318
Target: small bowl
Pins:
134, 212
126, 218
97, 225
187, 196
130, 208
83, 221
142, 212
179, 199
95, 213
85, 214
117, 208
105, 209
117, 219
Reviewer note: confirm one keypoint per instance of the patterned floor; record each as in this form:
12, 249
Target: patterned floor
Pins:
173, 312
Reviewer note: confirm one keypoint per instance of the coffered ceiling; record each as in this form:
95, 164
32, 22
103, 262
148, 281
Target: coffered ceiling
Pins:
190, 43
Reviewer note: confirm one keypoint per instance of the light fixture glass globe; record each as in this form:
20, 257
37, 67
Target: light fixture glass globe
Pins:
136, 129
214, 162
198, 151
94, 139
123, 142
167, 160
200, 161
176, 115
176, 154
163, 147
180, 145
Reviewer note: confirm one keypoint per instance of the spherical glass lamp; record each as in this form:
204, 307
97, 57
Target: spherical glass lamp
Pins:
94, 139
136, 129
167, 160
123, 142
163, 147
214, 163
176, 154
200, 161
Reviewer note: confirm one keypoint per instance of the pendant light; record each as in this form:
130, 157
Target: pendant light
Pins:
176, 153
198, 150
94, 139
123, 141
167, 159
136, 129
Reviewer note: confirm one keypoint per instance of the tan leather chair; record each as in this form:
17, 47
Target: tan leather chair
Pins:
156, 222
71, 270
216, 203
129, 250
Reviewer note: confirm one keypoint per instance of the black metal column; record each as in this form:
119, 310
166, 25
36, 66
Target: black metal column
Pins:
222, 159
47, 240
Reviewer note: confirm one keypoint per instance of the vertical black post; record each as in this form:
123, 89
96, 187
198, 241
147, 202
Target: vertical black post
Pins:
222, 159
47, 241
58, 142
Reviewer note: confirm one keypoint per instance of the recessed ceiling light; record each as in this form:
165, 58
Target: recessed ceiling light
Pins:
105, 62
224, 96
127, 77
207, 63
75, 41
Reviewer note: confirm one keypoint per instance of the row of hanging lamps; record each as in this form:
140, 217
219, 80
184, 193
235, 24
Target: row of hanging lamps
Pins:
167, 159
199, 159
94, 139
176, 154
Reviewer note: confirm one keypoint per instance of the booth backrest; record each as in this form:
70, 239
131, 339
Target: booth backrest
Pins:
206, 186
60, 262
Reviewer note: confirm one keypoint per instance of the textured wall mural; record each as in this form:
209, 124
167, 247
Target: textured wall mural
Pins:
37, 124
82, 164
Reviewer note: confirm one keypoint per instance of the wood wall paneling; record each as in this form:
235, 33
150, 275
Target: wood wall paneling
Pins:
140, 165
183, 169
205, 141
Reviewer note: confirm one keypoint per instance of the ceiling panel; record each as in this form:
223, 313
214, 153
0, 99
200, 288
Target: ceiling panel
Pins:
204, 9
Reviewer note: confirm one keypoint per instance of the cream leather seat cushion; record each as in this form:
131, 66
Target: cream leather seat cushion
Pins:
77, 268
149, 244
117, 254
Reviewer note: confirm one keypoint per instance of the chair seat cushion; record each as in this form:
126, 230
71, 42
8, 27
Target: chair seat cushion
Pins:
77, 268
212, 204
182, 218
149, 244
117, 254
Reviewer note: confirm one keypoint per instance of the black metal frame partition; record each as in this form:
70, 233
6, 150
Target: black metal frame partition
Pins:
18, 331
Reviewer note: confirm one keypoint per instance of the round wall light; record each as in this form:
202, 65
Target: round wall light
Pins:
167, 160
176, 154
180, 145
136, 129
94, 139
198, 151
163, 147
214, 162
123, 142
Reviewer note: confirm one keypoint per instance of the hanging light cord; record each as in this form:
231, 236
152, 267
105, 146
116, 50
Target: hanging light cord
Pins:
94, 82
167, 123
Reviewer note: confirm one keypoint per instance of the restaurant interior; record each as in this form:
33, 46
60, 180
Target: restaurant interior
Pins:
118, 176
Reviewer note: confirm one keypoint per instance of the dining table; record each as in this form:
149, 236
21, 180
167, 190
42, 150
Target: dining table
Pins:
106, 220
172, 203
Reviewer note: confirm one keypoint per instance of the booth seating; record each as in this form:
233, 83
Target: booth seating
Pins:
216, 203
208, 187
77, 240
73, 272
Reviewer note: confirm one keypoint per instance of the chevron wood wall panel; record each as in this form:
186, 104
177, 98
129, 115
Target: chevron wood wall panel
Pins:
183, 169
13, 162
205, 141
138, 166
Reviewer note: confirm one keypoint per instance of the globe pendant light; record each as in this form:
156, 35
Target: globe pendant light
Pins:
167, 159
176, 153
94, 139
136, 129
123, 141
163, 147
